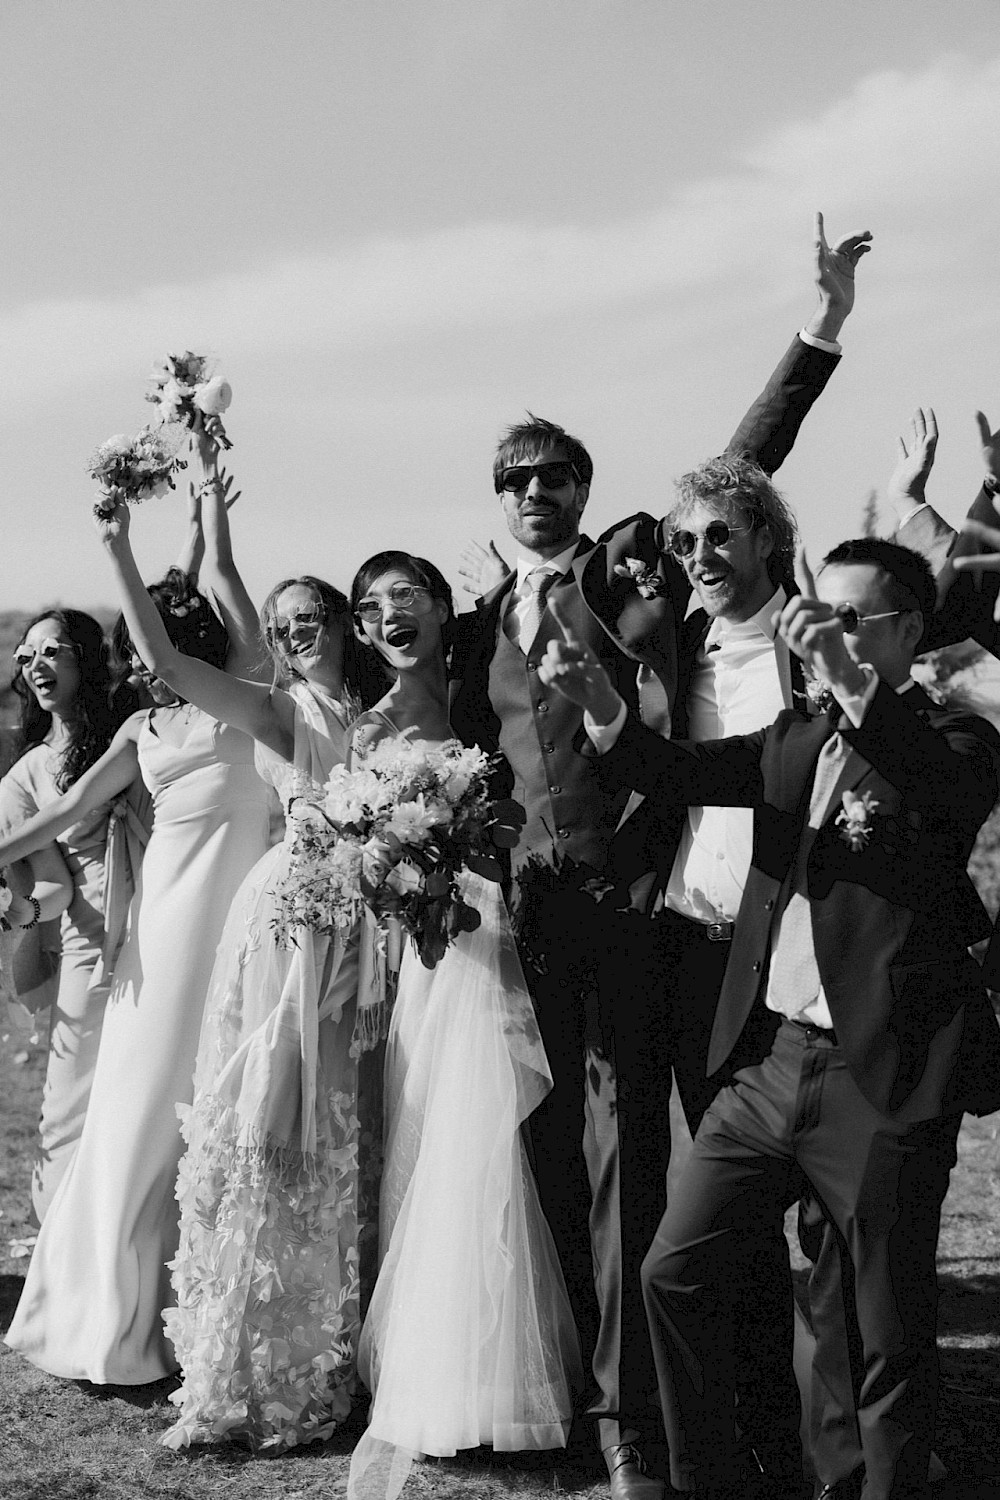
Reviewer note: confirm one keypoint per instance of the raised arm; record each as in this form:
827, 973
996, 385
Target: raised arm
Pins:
266, 715
105, 780
769, 429
219, 572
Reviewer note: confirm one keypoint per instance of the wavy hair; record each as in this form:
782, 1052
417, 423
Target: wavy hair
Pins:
744, 486
336, 608
96, 713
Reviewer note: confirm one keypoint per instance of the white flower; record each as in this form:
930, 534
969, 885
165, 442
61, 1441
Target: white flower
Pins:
214, 396
411, 822
404, 878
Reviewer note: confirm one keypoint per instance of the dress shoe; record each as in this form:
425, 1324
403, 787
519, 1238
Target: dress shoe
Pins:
630, 1479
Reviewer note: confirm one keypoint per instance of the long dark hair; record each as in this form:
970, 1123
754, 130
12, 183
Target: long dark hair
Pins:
189, 620
335, 608
96, 713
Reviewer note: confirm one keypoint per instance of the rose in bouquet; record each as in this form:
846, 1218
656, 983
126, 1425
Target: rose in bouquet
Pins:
416, 815
134, 468
186, 391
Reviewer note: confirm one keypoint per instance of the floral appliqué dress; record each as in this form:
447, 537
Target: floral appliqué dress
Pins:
266, 1275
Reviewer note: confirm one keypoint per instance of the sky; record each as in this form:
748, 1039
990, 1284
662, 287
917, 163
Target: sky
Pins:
398, 224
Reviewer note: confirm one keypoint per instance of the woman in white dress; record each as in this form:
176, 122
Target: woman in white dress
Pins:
97, 1282
469, 1337
69, 713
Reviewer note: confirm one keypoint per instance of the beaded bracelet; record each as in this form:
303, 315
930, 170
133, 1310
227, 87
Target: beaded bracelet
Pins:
6, 926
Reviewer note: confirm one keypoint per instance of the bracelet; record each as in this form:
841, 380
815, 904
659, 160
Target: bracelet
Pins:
209, 485
38, 912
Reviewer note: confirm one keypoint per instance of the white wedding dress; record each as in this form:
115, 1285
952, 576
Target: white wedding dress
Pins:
469, 1337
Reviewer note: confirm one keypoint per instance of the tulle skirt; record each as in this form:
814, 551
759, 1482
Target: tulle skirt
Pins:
469, 1338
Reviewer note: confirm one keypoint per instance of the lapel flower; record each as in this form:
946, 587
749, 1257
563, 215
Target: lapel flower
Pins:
855, 820
646, 579
820, 698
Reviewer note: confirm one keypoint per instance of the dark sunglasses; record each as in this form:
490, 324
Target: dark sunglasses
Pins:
850, 619
50, 650
716, 534
553, 475
401, 596
283, 626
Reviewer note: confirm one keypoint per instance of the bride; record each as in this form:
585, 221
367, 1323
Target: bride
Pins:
469, 1337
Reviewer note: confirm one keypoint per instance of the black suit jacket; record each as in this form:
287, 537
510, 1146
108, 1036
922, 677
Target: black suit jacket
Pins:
891, 922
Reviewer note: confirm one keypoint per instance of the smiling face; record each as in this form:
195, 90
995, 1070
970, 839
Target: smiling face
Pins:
545, 521
731, 578
300, 631
405, 634
53, 672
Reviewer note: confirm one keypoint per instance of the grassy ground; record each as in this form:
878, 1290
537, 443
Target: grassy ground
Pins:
60, 1440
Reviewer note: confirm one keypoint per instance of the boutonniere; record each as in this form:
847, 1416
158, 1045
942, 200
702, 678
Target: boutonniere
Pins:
646, 579
855, 820
819, 695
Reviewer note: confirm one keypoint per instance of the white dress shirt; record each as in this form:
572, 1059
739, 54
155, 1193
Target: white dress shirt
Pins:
520, 598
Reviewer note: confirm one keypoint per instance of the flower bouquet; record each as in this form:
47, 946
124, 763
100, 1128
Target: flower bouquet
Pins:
183, 387
134, 468
395, 832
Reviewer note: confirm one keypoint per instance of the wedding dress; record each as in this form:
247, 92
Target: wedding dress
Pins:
469, 1337
266, 1274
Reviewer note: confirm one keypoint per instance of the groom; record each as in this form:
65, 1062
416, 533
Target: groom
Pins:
590, 1138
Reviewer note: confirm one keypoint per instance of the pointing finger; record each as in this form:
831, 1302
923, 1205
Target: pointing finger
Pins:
803, 574
566, 627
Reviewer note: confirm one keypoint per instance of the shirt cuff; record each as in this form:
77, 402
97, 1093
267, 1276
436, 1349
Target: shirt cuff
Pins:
830, 345
604, 737
857, 705
920, 505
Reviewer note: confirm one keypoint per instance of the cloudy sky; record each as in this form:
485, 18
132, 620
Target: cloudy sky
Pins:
399, 223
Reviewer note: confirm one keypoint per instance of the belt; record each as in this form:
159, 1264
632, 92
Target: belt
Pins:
812, 1031
713, 932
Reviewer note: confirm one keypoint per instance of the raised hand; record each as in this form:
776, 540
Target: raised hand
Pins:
815, 632
914, 461
990, 447
111, 520
481, 568
833, 273
570, 666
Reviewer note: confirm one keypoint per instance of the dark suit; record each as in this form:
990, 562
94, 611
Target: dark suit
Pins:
600, 1180
867, 1115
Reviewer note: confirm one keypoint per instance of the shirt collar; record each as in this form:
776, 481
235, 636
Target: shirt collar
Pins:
762, 623
558, 564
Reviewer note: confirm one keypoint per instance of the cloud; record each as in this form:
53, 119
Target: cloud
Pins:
906, 149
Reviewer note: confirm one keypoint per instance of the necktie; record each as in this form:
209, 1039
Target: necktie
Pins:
539, 582
794, 980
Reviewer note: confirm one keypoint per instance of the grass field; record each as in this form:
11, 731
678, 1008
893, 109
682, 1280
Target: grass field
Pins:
60, 1440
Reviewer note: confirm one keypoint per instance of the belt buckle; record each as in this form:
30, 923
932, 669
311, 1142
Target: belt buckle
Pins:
719, 932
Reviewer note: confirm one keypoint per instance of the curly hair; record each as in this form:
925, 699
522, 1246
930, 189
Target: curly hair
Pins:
188, 618
96, 713
742, 485
523, 440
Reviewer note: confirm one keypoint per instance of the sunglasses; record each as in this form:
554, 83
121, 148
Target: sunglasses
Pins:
401, 596
716, 534
284, 625
50, 650
553, 475
850, 619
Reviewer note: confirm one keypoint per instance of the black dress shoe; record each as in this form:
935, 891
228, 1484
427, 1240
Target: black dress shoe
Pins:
630, 1479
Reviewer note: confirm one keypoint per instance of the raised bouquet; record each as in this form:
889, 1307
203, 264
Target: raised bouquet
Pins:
135, 468
421, 809
185, 389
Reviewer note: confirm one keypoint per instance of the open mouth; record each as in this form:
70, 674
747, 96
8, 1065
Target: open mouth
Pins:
399, 637
712, 580
43, 684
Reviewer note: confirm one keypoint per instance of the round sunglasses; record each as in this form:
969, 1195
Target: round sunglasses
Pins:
716, 534
400, 595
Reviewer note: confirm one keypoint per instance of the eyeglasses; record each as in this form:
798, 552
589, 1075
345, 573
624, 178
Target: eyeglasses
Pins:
401, 596
553, 475
716, 534
50, 650
284, 625
850, 618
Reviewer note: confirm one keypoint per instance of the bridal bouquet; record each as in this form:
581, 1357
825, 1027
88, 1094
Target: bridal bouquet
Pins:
134, 468
182, 386
422, 810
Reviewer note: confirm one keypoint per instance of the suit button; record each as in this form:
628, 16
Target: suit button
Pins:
768, 905
555, 790
563, 833
532, 666
548, 747
543, 708
756, 966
